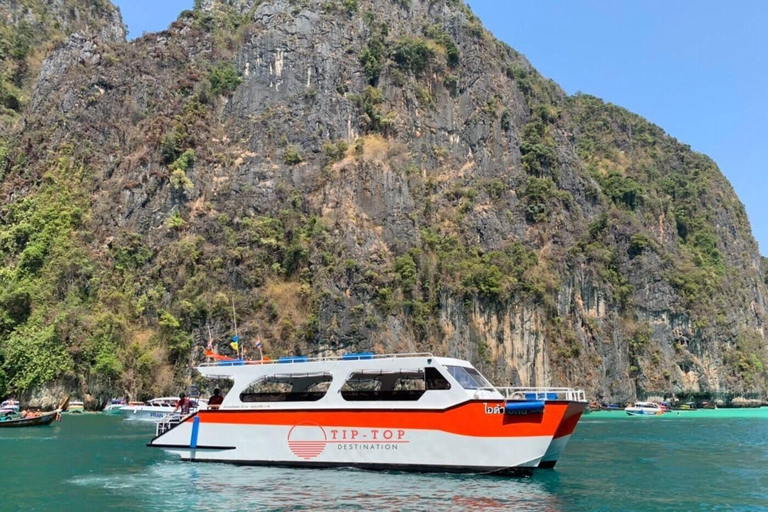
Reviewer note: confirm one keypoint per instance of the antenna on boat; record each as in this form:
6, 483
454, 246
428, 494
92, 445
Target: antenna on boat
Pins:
209, 348
236, 338
258, 346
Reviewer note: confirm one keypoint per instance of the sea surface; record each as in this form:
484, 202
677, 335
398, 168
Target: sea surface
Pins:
698, 461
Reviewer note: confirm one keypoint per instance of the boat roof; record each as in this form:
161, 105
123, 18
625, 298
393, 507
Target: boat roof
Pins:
292, 364
167, 399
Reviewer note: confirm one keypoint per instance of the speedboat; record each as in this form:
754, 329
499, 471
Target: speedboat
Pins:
114, 406
404, 412
76, 407
9, 406
644, 409
155, 409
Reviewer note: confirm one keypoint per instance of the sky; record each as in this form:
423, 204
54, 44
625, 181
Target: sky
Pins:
697, 68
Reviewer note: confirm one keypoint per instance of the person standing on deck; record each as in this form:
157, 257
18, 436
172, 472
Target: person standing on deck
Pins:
182, 405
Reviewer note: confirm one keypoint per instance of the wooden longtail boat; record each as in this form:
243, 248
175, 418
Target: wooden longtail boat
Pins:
45, 419
37, 421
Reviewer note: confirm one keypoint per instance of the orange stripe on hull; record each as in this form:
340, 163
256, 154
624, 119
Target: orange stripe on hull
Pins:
469, 419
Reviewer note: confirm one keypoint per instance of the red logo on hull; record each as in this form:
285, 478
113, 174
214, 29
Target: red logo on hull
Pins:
307, 441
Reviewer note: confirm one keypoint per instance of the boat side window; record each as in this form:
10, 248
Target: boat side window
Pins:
405, 385
435, 379
297, 387
468, 377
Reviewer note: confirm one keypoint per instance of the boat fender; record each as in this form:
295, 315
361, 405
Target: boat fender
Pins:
541, 396
527, 407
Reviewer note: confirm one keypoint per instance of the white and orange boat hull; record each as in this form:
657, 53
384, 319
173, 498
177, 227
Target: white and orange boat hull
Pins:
473, 437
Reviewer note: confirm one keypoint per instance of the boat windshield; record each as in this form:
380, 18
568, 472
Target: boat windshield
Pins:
468, 378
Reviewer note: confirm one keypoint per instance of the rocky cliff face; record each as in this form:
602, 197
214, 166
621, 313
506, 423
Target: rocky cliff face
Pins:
360, 175
30, 29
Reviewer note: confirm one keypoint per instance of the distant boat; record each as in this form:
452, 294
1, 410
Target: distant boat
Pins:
156, 409
644, 409
9, 406
114, 406
76, 407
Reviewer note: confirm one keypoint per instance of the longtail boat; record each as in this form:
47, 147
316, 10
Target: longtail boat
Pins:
37, 421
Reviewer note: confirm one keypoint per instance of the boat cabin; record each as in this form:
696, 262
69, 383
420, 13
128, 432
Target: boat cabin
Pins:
647, 405
166, 401
359, 381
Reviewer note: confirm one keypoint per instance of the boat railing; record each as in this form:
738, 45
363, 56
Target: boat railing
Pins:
167, 423
303, 359
172, 419
543, 393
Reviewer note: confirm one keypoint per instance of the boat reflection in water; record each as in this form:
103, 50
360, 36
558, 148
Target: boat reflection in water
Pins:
406, 412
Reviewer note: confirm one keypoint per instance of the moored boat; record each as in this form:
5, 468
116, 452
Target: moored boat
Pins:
9, 406
30, 421
645, 409
413, 412
76, 407
114, 406
155, 409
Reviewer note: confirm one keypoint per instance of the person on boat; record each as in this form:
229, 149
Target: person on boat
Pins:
216, 400
182, 405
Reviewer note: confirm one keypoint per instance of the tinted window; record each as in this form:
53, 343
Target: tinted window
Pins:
435, 379
406, 385
468, 378
288, 388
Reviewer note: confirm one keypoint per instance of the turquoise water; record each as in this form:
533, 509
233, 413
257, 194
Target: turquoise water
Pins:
689, 462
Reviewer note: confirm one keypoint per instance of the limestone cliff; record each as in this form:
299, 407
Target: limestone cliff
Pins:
360, 174
30, 29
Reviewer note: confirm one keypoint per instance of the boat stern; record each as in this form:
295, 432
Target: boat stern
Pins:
182, 437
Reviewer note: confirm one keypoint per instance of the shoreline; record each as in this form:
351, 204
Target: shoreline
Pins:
722, 413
